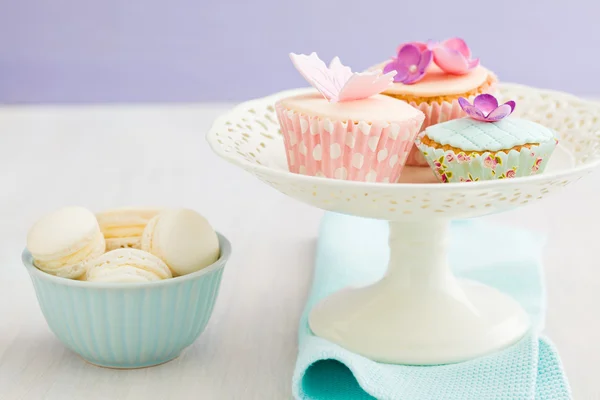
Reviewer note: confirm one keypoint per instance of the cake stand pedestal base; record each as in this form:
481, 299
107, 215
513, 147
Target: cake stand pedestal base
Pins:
419, 313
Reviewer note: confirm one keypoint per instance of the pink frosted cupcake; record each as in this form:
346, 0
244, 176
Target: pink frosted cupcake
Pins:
347, 131
432, 77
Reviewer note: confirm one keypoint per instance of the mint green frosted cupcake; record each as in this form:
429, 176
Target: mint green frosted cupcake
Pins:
486, 144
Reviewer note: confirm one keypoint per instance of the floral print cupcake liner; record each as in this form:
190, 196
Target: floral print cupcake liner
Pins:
449, 166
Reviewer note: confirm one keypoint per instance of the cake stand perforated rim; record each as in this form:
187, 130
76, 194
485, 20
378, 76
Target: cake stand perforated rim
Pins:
219, 124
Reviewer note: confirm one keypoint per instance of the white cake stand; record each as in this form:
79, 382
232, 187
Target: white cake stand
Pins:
419, 313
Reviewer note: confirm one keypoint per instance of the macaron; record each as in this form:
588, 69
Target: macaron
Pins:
62, 243
123, 227
183, 239
127, 266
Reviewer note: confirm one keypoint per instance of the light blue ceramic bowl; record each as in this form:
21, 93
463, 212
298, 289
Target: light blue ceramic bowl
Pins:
125, 325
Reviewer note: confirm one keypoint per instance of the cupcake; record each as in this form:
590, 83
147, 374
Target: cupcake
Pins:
346, 129
487, 144
432, 77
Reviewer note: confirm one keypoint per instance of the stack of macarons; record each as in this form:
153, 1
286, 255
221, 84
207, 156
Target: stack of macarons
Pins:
123, 227
122, 245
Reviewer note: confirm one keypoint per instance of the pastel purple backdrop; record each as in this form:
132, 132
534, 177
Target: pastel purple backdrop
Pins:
71, 51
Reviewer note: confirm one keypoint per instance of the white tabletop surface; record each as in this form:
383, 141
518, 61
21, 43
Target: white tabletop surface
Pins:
108, 156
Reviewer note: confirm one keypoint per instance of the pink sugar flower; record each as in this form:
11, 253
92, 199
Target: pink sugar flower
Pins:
454, 56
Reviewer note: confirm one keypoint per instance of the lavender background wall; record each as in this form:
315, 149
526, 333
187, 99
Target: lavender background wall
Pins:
223, 50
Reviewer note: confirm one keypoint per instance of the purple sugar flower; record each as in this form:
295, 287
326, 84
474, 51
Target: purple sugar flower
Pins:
410, 64
485, 108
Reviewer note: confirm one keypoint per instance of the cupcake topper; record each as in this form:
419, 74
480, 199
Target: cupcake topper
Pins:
453, 56
411, 63
485, 108
337, 82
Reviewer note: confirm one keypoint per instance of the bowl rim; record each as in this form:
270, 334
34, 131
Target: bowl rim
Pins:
224, 244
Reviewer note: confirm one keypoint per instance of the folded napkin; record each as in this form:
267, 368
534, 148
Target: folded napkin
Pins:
353, 251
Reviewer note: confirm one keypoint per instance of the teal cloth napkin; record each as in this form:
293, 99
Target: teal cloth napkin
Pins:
353, 251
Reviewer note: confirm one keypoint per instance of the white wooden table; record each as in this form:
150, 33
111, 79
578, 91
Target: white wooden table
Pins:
107, 156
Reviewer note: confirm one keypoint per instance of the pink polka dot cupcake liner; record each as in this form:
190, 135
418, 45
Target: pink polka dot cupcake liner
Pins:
348, 150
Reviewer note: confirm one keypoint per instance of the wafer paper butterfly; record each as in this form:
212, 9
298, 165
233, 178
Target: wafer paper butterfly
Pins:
337, 82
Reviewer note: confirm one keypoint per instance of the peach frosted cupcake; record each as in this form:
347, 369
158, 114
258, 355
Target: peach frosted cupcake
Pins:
346, 129
432, 77
487, 144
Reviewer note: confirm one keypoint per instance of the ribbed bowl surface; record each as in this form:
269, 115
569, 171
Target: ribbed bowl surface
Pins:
129, 325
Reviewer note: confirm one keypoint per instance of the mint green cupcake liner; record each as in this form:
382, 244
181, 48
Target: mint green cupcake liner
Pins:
449, 166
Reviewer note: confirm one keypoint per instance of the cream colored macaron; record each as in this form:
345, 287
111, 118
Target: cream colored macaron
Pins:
64, 242
127, 266
183, 239
123, 227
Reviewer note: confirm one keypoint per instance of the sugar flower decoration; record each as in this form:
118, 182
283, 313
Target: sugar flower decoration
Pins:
485, 108
410, 64
337, 82
453, 56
